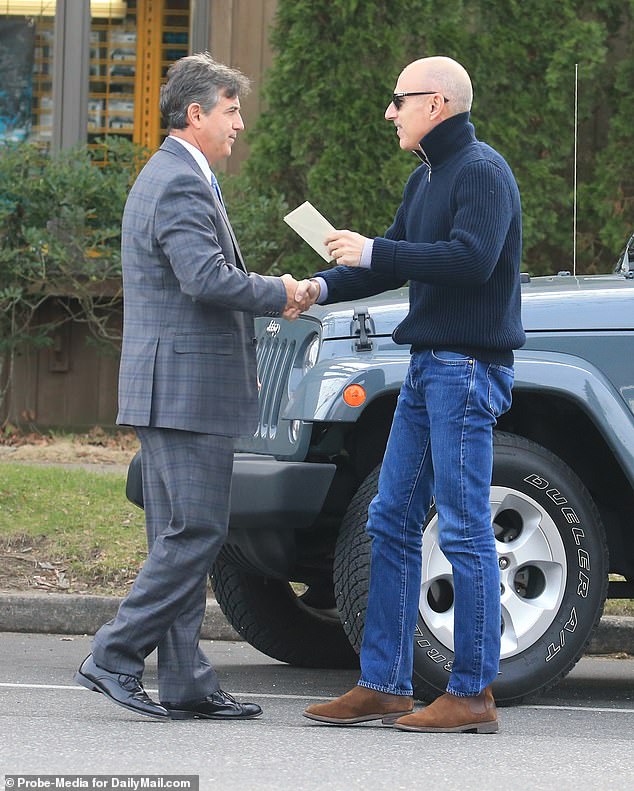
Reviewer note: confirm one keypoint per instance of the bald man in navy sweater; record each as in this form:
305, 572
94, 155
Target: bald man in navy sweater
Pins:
457, 239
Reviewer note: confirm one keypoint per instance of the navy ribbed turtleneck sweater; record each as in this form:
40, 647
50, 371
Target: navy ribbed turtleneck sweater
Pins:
457, 237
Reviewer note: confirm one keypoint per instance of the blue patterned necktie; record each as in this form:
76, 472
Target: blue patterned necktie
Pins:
216, 186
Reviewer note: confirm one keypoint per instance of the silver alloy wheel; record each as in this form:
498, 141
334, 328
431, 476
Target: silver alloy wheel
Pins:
533, 573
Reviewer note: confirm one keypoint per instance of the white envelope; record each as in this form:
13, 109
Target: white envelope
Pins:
312, 226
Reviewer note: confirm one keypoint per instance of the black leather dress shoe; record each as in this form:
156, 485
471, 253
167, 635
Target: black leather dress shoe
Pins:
126, 691
217, 706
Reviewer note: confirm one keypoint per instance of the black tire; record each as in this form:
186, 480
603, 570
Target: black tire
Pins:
273, 619
534, 496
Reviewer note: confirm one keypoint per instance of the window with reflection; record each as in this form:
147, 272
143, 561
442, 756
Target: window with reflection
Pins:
26, 70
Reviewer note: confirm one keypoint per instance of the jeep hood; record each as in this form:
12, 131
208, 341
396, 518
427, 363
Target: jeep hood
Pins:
557, 303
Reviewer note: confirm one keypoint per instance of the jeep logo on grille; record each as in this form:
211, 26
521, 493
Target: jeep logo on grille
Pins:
273, 328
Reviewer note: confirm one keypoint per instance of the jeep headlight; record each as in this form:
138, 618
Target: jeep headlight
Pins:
305, 360
311, 350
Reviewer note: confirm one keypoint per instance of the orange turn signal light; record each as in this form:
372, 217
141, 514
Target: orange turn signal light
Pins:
354, 395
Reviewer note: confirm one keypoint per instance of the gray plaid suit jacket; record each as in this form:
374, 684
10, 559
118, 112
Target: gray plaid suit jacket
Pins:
188, 354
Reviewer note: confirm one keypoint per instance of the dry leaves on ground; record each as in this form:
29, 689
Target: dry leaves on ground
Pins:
21, 569
95, 447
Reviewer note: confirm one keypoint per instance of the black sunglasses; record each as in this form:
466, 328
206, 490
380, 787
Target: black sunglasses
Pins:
398, 98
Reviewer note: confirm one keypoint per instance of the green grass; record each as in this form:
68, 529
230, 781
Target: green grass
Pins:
619, 607
75, 518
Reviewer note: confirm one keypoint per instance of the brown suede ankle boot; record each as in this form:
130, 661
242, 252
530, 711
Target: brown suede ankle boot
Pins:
361, 705
453, 714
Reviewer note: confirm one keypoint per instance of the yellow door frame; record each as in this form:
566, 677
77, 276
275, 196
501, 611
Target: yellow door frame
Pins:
147, 120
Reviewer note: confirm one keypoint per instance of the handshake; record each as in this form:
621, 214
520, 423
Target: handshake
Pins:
300, 295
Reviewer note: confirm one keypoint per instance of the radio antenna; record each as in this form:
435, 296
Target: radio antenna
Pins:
574, 189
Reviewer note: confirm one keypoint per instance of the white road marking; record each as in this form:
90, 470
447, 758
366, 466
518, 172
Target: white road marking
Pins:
277, 696
78, 688
577, 708
37, 686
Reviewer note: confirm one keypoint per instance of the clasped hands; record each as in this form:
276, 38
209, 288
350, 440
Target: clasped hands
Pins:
345, 247
300, 295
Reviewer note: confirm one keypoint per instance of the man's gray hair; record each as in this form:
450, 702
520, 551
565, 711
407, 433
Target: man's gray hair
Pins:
197, 78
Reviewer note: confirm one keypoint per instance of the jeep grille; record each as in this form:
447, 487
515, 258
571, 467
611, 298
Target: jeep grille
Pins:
275, 360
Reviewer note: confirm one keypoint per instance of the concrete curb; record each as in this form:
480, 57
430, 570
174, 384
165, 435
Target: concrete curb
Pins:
615, 635
60, 613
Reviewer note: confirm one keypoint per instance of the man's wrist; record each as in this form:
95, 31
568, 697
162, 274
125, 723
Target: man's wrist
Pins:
365, 262
323, 289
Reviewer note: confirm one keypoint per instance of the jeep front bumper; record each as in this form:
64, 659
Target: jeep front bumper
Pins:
265, 493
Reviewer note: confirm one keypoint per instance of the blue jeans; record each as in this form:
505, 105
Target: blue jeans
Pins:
441, 446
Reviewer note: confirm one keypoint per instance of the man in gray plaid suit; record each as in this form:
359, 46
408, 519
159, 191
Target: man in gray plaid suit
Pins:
188, 384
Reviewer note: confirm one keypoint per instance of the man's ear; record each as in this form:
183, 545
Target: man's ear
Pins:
437, 107
194, 112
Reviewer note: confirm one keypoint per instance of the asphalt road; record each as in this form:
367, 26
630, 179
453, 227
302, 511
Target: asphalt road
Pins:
580, 736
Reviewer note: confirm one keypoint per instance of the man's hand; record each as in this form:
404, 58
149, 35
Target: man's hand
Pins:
299, 296
307, 293
346, 247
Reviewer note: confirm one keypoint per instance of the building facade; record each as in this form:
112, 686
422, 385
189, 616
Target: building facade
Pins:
76, 70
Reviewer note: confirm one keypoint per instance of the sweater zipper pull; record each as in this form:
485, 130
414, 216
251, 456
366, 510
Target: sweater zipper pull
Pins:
427, 162
420, 153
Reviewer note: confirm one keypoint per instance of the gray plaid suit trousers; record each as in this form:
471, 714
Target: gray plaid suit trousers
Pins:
186, 489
